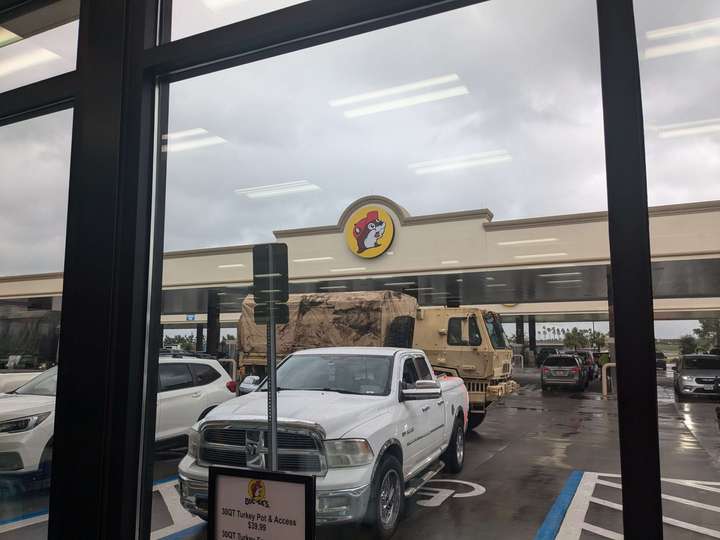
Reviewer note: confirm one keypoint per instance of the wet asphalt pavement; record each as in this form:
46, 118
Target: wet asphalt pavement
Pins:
517, 463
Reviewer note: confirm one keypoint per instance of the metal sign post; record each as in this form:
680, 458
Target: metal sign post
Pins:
270, 280
272, 393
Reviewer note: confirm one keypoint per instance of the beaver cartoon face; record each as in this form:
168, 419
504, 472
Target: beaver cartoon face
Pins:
368, 231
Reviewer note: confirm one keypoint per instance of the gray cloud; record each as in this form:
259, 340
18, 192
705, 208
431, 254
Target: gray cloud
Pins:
533, 75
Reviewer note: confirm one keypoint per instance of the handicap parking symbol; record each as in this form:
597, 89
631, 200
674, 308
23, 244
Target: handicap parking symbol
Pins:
435, 496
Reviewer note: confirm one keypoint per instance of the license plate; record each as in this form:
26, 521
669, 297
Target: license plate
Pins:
561, 373
710, 388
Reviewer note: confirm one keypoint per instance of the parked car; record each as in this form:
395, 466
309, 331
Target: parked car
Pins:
660, 360
370, 423
697, 375
589, 364
16, 370
563, 370
188, 389
543, 353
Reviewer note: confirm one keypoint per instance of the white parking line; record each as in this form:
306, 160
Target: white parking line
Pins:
575, 516
181, 518
601, 532
574, 523
672, 498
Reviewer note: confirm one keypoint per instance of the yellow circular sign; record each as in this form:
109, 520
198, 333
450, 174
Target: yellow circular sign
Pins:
369, 231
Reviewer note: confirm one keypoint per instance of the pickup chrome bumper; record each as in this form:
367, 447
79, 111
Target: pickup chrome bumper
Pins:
333, 506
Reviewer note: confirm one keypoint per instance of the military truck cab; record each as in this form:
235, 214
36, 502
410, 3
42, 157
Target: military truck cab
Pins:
470, 343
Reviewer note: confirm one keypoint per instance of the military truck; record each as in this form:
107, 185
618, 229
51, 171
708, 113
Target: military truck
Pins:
468, 342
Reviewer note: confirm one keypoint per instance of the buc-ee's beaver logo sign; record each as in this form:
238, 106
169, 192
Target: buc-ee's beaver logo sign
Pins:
369, 231
256, 493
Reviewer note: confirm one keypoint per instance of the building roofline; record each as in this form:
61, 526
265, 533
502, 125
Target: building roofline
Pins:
593, 217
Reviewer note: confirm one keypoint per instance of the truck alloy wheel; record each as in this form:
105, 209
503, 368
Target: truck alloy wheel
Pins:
387, 498
454, 455
390, 498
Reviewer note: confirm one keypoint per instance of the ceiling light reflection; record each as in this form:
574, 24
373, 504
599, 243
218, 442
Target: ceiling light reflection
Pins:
26, 60
313, 259
680, 47
541, 255
529, 241
274, 190
681, 29
394, 90
407, 102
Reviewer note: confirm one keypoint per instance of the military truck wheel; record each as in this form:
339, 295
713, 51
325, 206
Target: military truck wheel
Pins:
387, 498
454, 455
475, 419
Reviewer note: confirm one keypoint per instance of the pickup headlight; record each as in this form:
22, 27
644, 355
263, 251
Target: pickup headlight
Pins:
26, 423
687, 378
348, 453
193, 442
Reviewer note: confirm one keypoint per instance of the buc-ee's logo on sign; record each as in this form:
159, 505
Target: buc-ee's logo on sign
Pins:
256, 493
369, 231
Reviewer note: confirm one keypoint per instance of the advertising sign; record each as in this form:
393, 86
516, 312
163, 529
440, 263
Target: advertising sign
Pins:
369, 231
260, 505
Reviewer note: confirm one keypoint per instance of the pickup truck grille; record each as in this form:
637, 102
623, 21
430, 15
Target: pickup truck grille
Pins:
230, 458
235, 437
233, 445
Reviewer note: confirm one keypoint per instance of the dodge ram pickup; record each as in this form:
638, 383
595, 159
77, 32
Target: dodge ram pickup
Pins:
371, 424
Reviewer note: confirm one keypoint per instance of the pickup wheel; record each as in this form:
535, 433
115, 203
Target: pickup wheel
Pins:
454, 455
387, 498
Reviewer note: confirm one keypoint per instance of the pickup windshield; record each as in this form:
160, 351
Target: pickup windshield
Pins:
344, 373
701, 362
44, 384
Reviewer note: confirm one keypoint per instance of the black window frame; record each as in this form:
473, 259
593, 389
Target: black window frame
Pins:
112, 272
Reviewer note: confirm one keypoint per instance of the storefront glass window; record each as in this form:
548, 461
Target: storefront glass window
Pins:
38, 44
418, 184
34, 172
679, 51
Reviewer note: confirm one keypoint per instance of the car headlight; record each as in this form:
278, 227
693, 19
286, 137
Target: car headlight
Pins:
26, 423
687, 378
193, 442
348, 453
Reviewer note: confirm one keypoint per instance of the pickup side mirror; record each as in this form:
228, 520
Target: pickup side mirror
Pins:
421, 390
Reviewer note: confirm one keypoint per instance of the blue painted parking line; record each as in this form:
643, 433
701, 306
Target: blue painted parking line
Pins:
173, 478
550, 527
23, 517
44, 512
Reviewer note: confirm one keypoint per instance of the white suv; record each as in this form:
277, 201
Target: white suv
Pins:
188, 388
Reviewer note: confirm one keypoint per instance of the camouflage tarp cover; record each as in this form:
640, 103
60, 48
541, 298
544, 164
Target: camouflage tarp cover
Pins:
350, 319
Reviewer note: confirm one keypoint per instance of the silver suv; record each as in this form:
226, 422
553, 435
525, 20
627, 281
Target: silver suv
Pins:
697, 375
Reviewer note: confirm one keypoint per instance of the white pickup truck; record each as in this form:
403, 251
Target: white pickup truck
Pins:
371, 424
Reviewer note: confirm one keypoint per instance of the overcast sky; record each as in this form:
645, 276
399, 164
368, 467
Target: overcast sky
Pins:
531, 76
